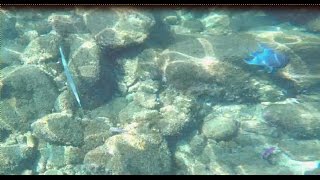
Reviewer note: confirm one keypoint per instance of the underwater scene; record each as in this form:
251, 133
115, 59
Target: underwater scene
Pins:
169, 90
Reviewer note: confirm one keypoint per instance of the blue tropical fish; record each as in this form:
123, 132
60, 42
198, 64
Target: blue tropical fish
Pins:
268, 58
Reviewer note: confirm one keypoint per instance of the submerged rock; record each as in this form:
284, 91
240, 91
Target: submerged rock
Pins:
59, 128
142, 68
125, 115
132, 154
110, 111
65, 24
314, 25
53, 172
146, 94
63, 102
84, 59
243, 20
8, 31
219, 127
41, 49
146, 100
53, 158
85, 65
16, 157
302, 49
208, 66
28, 93
10, 53
11, 158
176, 113
96, 131
216, 23
204, 162
193, 25
298, 120
33, 19
300, 150
211, 65
123, 28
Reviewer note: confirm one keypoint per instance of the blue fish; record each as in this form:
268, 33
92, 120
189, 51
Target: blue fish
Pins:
268, 58
69, 77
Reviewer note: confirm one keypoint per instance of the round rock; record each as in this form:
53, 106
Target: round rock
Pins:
59, 128
219, 128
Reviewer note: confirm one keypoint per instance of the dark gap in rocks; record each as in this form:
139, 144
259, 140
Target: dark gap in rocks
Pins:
29, 163
106, 88
103, 90
35, 158
287, 85
4, 134
130, 51
5, 92
8, 30
160, 35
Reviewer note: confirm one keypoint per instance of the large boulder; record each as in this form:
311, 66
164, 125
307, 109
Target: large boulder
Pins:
65, 24
132, 154
85, 65
141, 68
59, 128
176, 113
28, 93
219, 127
302, 49
32, 19
42, 49
53, 157
213, 66
298, 120
115, 27
94, 83
8, 31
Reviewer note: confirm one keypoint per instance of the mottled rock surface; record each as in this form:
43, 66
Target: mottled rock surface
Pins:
65, 24
59, 128
16, 154
298, 120
219, 127
42, 49
28, 93
132, 154
123, 28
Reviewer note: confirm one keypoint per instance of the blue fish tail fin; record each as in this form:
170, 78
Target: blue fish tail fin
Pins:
270, 69
248, 61
254, 54
254, 61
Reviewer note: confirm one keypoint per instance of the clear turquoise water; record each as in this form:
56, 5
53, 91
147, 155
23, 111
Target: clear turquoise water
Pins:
162, 90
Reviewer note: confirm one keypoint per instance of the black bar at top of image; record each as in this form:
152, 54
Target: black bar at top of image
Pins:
166, 2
